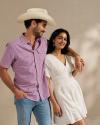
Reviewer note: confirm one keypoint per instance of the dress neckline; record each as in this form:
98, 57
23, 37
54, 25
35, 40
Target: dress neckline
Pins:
59, 59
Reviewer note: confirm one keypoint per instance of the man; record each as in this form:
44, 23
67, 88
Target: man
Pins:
26, 55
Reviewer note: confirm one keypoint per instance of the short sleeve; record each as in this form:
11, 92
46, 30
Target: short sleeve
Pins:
71, 61
47, 71
47, 68
8, 57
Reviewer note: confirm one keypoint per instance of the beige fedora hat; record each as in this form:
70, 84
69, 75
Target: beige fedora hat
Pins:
36, 13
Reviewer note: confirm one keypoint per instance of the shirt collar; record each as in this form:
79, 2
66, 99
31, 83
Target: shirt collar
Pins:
25, 42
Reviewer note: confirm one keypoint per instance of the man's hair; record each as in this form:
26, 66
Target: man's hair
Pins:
27, 23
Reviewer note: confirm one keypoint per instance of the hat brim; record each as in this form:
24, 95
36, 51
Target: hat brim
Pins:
27, 16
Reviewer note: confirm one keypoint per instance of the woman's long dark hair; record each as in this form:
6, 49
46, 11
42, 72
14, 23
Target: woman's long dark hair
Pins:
51, 47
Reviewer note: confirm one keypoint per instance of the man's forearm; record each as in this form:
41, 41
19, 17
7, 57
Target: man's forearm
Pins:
72, 53
79, 62
7, 79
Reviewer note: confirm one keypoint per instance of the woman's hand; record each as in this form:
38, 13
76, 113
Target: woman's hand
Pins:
57, 110
74, 72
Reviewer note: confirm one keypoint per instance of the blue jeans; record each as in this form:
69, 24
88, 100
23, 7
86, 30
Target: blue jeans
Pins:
40, 109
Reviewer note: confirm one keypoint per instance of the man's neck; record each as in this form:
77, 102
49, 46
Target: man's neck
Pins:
30, 37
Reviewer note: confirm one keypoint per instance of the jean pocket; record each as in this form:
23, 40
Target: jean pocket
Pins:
17, 100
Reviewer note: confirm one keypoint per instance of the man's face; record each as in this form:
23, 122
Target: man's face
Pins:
40, 29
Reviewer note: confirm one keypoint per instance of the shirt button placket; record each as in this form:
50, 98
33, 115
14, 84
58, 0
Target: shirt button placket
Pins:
36, 74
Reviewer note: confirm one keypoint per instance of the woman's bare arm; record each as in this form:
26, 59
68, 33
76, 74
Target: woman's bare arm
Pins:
56, 107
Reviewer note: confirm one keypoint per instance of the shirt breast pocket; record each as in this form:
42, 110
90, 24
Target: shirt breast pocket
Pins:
41, 57
42, 53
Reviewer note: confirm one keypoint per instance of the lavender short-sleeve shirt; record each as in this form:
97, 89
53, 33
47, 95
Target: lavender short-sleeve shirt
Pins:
28, 66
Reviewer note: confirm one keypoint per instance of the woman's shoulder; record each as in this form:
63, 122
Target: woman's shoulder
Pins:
49, 57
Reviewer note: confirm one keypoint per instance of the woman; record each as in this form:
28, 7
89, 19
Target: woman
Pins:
66, 95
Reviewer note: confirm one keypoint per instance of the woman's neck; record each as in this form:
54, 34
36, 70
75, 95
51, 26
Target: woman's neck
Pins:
57, 52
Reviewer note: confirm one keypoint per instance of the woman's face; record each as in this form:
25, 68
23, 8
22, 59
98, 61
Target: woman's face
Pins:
60, 41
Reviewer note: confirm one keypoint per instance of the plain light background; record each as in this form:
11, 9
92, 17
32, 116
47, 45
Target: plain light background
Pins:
82, 20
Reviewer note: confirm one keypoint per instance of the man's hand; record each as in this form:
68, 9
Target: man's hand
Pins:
19, 94
79, 63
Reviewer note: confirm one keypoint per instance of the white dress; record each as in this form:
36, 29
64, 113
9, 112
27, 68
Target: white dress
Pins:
67, 90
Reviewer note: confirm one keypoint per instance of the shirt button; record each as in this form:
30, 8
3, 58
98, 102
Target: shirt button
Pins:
37, 86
